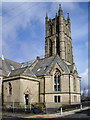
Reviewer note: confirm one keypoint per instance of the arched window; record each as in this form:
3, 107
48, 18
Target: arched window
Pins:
57, 81
51, 48
74, 84
10, 89
50, 29
57, 46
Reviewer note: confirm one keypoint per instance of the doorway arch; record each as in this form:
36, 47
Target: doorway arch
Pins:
27, 97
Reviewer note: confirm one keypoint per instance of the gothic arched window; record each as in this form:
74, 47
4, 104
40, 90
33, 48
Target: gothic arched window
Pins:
74, 84
50, 29
10, 89
57, 46
57, 81
51, 48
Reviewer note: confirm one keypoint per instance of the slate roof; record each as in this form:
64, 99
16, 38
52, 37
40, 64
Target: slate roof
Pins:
7, 65
44, 66
11, 68
70, 67
22, 71
28, 63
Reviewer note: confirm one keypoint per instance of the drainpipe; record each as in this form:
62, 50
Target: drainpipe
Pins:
69, 91
2, 94
44, 89
39, 93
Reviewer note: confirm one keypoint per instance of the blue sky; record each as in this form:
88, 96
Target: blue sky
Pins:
23, 31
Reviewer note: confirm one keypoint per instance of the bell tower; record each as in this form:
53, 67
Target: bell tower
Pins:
58, 37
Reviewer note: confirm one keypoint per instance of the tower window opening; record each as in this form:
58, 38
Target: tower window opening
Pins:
57, 48
50, 29
51, 48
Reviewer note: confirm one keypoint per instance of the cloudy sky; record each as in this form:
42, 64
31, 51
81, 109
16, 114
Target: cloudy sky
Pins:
23, 31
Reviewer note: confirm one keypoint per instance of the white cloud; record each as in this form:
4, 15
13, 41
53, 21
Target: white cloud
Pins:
84, 79
85, 91
23, 17
19, 17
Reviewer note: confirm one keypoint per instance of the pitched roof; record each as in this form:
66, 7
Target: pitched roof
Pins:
44, 66
7, 65
22, 71
11, 68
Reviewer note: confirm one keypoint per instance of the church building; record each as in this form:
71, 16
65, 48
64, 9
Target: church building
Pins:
52, 80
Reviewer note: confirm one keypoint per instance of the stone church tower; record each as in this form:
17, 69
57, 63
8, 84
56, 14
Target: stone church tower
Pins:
58, 37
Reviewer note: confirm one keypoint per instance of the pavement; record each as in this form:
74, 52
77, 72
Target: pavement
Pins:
55, 115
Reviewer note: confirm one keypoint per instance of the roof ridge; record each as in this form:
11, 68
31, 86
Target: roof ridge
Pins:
66, 65
19, 68
47, 57
27, 68
12, 60
15, 70
51, 63
7, 64
61, 61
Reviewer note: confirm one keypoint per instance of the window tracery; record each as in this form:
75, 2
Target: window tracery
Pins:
57, 81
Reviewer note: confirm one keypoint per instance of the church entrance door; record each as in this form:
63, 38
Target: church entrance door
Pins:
26, 99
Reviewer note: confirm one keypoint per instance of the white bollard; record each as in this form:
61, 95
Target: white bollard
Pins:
61, 110
81, 106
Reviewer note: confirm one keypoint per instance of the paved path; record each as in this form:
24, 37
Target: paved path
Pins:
56, 115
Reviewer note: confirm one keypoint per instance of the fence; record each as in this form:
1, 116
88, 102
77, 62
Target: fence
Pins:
26, 109
75, 106
37, 109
